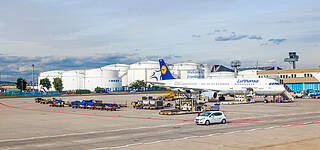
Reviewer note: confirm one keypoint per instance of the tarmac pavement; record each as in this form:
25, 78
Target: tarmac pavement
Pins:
28, 125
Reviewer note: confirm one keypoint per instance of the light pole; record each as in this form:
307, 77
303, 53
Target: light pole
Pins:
32, 77
21, 84
0, 83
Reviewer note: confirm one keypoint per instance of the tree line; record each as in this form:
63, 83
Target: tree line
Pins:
57, 84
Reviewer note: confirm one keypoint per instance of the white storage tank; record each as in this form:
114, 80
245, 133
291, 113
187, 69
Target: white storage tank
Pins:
188, 71
108, 79
123, 72
145, 70
50, 75
74, 79
85, 79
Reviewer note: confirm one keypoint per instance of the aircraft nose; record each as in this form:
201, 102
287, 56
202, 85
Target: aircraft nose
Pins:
282, 88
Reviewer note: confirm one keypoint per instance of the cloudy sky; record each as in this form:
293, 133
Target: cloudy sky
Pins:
71, 34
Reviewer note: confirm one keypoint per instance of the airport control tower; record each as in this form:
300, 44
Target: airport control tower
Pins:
293, 57
235, 64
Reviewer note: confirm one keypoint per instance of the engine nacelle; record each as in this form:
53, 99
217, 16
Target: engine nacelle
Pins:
190, 91
210, 95
178, 89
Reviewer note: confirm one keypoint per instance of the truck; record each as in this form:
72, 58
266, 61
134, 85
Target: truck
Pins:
315, 94
298, 95
149, 104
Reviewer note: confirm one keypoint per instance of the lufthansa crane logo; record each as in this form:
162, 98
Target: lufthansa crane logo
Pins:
163, 69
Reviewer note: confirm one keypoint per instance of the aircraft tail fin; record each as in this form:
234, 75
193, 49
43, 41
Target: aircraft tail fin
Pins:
165, 72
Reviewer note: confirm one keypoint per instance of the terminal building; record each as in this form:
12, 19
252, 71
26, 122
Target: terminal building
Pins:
298, 80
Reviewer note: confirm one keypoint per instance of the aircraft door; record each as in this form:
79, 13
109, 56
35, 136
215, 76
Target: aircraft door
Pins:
215, 94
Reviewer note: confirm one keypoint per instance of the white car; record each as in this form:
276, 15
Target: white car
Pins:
211, 117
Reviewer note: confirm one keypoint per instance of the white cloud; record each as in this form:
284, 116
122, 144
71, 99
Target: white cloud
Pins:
270, 62
23, 68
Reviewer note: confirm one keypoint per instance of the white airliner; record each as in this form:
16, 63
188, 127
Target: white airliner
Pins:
258, 86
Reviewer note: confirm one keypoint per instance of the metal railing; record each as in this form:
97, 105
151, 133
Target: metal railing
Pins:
30, 93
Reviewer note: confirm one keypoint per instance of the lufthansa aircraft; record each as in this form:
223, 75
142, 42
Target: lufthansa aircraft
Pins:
258, 86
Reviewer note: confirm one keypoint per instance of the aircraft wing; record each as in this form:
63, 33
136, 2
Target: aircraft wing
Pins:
157, 83
192, 89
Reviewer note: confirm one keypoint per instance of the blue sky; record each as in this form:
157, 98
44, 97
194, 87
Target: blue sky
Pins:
59, 34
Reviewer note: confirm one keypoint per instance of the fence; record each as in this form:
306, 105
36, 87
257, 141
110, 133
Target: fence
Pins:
30, 93
149, 89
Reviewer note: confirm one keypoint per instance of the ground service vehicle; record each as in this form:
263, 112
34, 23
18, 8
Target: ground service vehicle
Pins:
211, 117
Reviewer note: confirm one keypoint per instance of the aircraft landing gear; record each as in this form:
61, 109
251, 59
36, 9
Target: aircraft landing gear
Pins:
265, 99
222, 98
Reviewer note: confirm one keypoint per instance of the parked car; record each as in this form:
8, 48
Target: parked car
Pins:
211, 117
298, 95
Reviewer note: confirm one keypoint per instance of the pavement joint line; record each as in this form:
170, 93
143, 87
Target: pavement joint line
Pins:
251, 130
154, 142
288, 119
276, 123
104, 138
209, 135
177, 139
85, 140
113, 137
83, 114
117, 147
45, 144
190, 137
161, 132
292, 114
134, 117
306, 123
92, 132
272, 127
11, 148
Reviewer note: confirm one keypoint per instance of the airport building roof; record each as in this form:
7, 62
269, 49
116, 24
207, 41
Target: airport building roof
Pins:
300, 80
220, 68
261, 68
289, 71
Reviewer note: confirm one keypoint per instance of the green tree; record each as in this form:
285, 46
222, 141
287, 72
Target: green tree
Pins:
57, 84
99, 89
45, 83
139, 84
21, 84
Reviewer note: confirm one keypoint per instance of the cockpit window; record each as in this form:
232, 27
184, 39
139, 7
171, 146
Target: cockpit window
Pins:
274, 83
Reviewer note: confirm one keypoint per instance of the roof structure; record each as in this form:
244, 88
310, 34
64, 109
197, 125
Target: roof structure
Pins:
220, 68
289, 71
